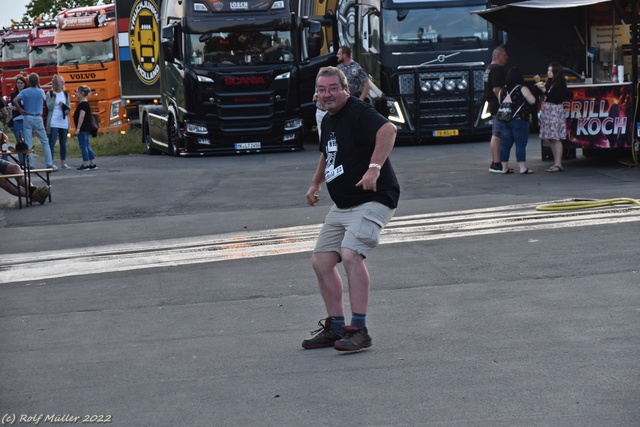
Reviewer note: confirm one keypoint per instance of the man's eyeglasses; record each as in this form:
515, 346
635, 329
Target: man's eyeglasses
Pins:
332, 90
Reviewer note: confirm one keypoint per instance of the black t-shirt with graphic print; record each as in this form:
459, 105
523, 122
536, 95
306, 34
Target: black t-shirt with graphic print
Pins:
348, 141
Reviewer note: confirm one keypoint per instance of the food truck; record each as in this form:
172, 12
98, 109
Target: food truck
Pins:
598, 40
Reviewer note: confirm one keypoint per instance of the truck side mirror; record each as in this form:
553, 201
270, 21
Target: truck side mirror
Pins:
168, 42
167, 50
314, 39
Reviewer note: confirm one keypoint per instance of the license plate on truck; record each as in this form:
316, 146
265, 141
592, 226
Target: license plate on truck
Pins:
446, 132
247, 146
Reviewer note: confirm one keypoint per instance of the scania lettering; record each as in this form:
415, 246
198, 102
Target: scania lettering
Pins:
244, 80
87, 55
234, 76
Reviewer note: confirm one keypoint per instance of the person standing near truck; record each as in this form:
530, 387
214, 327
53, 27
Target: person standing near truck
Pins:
494, 79
3, 112
320, 113
58, 107
16, 118
553, 126
82, 120
33, 99
516, 130
356, 76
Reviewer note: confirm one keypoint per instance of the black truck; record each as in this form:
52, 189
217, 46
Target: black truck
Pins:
426, 57
234, 76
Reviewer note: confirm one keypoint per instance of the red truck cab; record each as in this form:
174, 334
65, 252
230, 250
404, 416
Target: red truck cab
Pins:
42, 52
15, 56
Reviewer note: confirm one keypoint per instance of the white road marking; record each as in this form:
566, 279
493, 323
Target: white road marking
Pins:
222, 247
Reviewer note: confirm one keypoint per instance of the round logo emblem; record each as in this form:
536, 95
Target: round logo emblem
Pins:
144, 44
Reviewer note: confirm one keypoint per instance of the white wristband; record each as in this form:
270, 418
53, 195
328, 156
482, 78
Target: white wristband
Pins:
375, 165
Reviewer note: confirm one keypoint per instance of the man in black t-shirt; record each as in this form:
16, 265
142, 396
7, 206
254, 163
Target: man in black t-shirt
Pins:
494, 78
355, 146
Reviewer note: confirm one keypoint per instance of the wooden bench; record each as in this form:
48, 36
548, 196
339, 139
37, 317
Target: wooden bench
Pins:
17, 186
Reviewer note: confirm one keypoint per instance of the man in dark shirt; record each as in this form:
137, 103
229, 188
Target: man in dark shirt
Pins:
494, 78
355, 146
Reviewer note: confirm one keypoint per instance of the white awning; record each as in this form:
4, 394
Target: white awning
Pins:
556, 4
543, 4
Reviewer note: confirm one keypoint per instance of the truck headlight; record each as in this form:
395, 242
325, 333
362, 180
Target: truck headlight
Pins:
450, 85
395, 113
204, 79
196, 128
294, 124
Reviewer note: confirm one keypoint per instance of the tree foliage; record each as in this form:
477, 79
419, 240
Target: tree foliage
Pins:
48, 9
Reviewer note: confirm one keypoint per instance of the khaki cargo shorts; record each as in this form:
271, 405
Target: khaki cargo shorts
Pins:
357, 228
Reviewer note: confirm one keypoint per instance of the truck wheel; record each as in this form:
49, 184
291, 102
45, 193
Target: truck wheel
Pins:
173, 138
146, 138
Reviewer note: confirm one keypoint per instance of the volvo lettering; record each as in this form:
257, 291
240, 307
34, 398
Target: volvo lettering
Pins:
85, 76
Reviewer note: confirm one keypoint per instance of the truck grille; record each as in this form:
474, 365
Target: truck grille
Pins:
246, 112
430, 105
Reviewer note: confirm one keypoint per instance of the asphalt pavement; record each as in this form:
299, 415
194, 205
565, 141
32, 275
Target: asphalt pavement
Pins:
160, 291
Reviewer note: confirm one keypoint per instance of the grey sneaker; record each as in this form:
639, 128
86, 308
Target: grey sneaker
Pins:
325, 336
354, 339
40, 194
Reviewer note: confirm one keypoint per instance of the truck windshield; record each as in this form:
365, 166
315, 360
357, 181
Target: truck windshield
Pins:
434, 25
239, 48
15, 52
86, 52
43, 56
